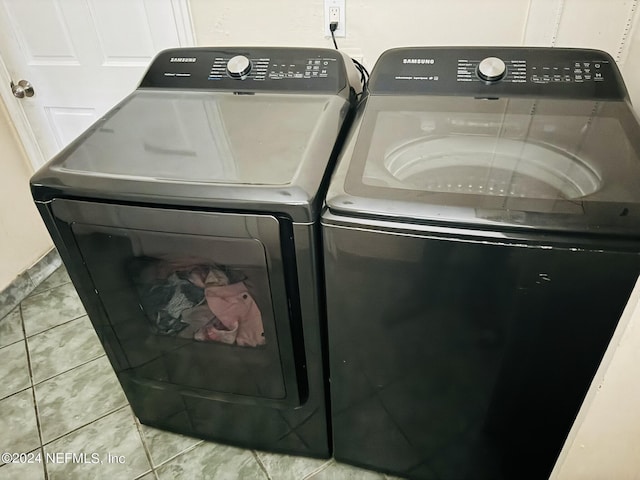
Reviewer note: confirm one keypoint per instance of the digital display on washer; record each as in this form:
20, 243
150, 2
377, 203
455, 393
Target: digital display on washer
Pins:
578, 71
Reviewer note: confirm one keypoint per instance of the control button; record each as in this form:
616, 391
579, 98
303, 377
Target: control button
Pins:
239, 67
492, 69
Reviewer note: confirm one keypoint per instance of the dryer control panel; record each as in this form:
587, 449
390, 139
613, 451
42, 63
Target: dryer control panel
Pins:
500, 71
248, 69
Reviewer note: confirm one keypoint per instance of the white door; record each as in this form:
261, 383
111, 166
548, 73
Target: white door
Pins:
81, 57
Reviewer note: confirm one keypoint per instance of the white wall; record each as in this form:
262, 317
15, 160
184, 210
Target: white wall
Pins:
376, 25
23, 237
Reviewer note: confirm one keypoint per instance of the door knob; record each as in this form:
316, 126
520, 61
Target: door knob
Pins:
22, 89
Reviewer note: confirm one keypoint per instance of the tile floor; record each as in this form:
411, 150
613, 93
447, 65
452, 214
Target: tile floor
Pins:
59, 395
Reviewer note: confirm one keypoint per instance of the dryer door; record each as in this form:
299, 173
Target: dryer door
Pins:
189, 301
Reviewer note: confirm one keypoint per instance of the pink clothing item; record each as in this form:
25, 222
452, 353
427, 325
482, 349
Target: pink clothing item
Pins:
215, 331
236, 309
204, 326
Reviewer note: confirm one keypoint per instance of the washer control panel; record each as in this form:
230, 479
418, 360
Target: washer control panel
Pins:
248, 69
266, 68
492, 72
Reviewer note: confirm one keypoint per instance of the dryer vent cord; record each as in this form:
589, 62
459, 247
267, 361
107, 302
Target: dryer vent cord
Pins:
364, 73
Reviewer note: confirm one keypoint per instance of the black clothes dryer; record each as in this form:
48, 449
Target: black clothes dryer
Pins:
481, 239
187, 218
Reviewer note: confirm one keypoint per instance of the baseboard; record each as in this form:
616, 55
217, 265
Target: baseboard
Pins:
27, 281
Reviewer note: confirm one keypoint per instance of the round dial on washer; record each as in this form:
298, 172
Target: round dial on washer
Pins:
239, 67
492, 69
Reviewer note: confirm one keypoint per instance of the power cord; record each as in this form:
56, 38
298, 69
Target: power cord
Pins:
333, 26
364, 73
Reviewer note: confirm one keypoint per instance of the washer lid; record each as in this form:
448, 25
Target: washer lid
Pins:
555, 164
218, 146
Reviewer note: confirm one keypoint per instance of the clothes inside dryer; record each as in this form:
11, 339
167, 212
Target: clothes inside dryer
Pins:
197, 299
191, 310
511, 148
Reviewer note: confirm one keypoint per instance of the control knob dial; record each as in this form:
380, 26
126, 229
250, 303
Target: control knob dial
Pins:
239, 67
492, 69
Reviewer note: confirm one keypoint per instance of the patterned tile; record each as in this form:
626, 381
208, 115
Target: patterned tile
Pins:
17, 290
165, 445
32, 469
340, 471
75, 398
18, 423
113, 436
11, 328
23, 284
45, 267
148, 476
48, 309
16, 369
62, 348
286, 467
213, 461
57, 278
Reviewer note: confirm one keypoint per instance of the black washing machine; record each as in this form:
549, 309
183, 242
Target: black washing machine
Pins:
187, 218
481, 238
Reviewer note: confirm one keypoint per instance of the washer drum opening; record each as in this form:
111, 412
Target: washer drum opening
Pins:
491, 166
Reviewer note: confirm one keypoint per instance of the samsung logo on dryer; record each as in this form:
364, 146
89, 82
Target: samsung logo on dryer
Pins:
183, 60
419, 61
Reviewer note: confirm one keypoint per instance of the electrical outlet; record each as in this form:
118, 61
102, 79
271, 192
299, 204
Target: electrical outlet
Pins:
334, 11
334, 14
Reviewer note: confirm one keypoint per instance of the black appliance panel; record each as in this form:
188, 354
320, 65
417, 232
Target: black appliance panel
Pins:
557, 72
196, 302
460, 357
290, 70
216, 149
204, 138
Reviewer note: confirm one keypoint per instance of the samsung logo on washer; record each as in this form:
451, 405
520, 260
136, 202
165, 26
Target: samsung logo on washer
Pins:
422, 61
183, 60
